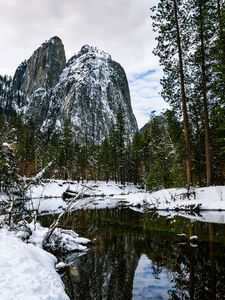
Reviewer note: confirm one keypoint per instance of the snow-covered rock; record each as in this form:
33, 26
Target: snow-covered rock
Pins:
90, 90
66, 241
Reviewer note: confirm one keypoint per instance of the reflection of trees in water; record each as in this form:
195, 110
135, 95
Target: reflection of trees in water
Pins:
196, 273
108, 271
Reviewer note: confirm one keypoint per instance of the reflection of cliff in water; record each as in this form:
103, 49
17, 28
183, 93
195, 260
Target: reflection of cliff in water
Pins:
181, 271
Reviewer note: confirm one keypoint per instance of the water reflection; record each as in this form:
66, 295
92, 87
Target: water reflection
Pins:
150, 281
140, 256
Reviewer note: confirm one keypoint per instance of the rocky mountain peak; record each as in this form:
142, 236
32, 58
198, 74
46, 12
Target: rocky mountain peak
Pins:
87, 90
42, 69
86, 49
91, 89
36, 77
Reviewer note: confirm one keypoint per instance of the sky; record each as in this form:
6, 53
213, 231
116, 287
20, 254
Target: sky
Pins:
122, 28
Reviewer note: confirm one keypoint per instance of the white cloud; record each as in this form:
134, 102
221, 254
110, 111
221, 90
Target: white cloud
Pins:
122, 28
145, 95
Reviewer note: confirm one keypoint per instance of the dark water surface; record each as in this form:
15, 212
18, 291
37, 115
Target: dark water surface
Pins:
141, 256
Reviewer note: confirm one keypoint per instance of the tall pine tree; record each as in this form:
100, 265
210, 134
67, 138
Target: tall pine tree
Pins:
169, 21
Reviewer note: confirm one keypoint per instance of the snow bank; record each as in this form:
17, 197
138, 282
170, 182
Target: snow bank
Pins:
61, 239
203, 199
208, 198
48, 205
47, 197
209, 216
27, 272
55, 188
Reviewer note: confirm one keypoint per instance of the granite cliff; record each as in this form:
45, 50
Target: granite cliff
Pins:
88, 90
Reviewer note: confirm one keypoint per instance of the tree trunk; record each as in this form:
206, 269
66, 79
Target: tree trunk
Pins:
219, 16
184, 102
205, 103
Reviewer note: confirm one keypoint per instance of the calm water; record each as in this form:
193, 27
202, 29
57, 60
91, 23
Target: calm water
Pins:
140, 256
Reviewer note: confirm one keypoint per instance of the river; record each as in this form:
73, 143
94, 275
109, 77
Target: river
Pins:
144, 256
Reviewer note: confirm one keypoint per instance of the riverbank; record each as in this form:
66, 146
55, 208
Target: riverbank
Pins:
99, 195
27, 271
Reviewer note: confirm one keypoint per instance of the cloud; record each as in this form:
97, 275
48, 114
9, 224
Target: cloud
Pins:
145, 95
120, 27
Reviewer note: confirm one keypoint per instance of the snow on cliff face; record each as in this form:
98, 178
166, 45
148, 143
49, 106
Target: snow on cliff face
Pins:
91, 88
35, 78
88, 90
42, 69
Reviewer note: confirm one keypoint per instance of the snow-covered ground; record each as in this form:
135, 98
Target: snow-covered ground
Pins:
27, 271
208, 198
210, 201
55, 188
47, 198
110, 194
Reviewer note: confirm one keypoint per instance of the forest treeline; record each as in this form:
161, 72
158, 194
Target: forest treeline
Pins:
191, 49
154, 156
183, 146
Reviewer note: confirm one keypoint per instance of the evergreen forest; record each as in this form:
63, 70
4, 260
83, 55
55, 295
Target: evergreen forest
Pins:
183, 146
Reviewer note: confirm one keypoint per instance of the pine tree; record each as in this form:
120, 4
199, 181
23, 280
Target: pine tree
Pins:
169, 21
66, 156
30, 143
166, 152
104, 160
218, 92
53, 155
202, 32
120, 135
113, 160
8, 167
137, 159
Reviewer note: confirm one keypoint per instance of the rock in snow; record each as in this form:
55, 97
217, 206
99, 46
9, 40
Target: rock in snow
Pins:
193, 238
66, 241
